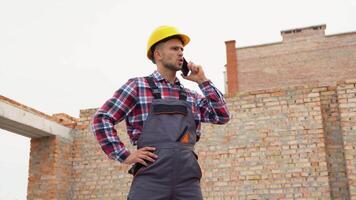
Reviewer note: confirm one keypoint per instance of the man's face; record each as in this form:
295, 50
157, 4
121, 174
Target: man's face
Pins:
172, 54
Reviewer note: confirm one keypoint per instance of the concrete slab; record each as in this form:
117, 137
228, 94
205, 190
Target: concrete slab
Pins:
29, 124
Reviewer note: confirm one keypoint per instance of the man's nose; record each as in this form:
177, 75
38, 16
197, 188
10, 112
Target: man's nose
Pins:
180, 53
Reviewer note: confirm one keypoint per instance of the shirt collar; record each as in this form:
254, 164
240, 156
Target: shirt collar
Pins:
160, 78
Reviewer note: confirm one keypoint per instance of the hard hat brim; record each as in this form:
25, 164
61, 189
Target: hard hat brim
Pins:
185, 40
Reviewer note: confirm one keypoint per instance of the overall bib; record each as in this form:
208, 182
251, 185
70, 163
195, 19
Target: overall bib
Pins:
171, 129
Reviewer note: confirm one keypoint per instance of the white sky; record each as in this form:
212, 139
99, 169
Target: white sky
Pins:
67, 55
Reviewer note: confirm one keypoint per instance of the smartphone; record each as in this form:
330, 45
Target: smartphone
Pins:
185, 68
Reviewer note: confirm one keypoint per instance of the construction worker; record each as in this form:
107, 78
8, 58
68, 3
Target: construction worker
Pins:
163, 119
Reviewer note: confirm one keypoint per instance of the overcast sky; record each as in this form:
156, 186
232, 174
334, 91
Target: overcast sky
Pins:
67, 55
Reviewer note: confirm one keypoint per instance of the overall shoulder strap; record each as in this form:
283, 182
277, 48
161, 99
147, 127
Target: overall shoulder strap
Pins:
182, 93
154, 88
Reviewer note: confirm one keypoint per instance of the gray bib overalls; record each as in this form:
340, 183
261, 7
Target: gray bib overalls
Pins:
175, 174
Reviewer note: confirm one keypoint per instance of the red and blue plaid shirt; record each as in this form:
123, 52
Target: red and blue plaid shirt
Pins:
132, 103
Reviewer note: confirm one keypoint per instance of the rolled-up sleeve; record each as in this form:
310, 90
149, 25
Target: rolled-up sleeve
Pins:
212, 105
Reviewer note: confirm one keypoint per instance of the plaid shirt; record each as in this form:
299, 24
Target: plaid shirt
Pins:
132, 103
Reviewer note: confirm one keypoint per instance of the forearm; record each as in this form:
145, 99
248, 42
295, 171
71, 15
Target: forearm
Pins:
106, 135
212, 106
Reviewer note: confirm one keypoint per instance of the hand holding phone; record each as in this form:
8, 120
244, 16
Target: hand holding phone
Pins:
197, 73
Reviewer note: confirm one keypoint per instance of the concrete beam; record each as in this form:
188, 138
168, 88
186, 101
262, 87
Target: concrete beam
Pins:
29, 124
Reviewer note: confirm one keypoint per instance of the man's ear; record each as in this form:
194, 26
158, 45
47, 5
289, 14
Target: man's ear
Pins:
157, 54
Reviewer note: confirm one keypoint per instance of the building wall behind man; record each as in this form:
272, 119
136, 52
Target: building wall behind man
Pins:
305, 56
288, 143
284, 143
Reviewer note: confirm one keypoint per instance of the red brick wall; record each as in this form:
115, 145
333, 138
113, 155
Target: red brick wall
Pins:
346, 92
334, 143
273, 148
281, 143
302, 58
50, 168
290, 143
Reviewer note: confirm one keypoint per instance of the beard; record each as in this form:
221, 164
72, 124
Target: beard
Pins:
171, 66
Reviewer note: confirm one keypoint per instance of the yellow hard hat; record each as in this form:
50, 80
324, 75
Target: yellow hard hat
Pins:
161, 33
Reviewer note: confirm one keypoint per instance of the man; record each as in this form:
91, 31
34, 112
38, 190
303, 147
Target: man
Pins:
163, 119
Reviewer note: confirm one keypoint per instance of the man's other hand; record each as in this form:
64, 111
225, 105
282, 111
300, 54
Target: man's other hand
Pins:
141, 156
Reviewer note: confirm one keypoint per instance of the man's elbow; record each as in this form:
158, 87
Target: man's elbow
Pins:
226, 119
96, 121
223, 119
